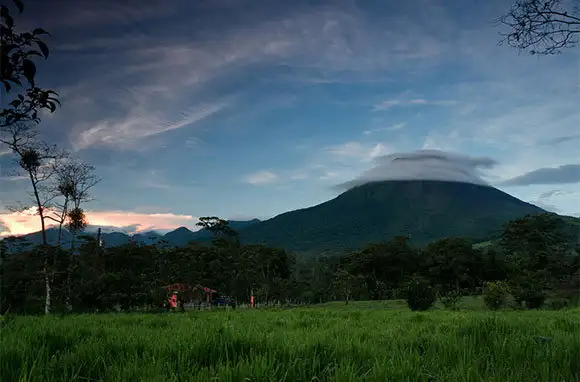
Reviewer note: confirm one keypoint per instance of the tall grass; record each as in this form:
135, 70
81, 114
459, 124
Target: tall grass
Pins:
328, 343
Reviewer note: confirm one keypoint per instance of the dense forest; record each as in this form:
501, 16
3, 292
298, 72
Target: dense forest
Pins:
535, 257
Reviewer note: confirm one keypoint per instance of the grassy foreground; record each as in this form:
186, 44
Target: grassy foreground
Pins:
372, 342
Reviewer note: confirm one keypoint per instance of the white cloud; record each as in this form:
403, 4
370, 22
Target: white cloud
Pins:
389, 104
154, 78
261, 178
299, 176
425, 165
141, 123
354, 150
394, 127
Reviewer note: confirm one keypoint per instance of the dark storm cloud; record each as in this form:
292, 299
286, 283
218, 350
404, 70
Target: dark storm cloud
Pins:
569, 173
424, 165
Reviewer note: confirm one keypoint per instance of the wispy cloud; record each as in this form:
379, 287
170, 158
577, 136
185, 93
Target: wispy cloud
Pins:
157, 76
86, 14
299, 176
355, 150
553, 199
261, 178
394, 127
558, 140
141, 123
389, 104
569, 173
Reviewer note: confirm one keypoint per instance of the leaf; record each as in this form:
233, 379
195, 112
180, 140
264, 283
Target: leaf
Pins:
19, 5
38, 31
35, 53
29, 70
44, 49
5, 13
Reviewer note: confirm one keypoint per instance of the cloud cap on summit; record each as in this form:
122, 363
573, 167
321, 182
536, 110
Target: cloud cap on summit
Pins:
424, 165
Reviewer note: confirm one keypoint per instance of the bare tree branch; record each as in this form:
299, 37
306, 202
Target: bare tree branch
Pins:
540, 27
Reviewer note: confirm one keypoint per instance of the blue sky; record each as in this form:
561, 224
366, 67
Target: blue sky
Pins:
245, 109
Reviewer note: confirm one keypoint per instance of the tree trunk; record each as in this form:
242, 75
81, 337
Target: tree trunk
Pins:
62, 219
2, 250
68, 274
46, 268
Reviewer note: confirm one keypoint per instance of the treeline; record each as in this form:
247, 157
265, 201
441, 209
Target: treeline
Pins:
535, 257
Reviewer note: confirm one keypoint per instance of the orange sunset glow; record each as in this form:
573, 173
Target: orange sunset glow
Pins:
21, 223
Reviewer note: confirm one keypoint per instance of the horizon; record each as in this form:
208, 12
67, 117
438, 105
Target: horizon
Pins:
248, 109
136, 229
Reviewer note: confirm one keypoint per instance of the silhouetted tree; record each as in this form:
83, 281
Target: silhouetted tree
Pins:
20, 113
18, 71
541, 26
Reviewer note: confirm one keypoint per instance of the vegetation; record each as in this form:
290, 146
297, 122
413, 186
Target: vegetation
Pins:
372, 342
533, 257
420, 294
496, 295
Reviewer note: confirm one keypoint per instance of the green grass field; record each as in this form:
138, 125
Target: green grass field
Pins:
362, 341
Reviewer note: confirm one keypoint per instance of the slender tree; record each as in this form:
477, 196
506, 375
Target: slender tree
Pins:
74, 180
22, 102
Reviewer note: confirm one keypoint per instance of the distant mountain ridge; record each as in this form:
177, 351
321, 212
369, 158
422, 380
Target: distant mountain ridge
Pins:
423, 210
179, 237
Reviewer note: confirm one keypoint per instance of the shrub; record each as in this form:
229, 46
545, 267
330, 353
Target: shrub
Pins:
420, 295
496, 294
450, 298
559, 303
535, 298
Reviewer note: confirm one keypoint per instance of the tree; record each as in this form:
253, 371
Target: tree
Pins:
539, 249
74, 180
346, 284
217, 226
385, 266
22, 110
40, 162
18, 69
450, 264
541, 26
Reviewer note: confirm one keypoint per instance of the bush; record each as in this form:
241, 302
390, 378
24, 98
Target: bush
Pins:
450, 298
420, 295
535, 299
559, 303
496, 294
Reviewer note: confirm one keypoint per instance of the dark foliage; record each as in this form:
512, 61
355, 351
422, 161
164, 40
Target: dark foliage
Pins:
135, 276
420, 295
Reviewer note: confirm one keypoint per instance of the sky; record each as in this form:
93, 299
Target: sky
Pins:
247, 109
